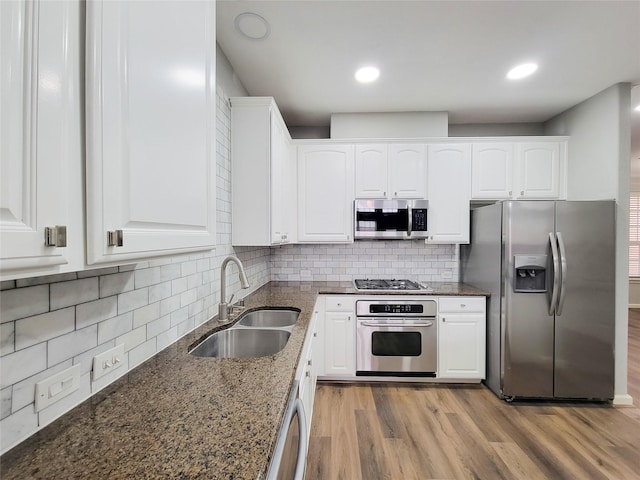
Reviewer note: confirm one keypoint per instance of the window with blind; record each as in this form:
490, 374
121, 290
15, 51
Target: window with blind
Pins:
634, 235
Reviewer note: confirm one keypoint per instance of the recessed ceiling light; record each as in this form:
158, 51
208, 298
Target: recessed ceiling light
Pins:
522, 71
367, 74
252, 26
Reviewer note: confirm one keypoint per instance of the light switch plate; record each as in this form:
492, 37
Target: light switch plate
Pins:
108, 361
57, 386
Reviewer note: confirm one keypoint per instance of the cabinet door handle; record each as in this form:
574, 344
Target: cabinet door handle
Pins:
510, 193
522, 193
115, 238
444, 319
55, 236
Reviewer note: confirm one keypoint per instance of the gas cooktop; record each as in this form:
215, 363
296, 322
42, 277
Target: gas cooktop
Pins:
386, 284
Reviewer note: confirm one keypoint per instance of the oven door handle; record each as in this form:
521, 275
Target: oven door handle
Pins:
386, 324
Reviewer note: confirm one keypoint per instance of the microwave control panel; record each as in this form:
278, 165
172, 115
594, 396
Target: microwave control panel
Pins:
419, 219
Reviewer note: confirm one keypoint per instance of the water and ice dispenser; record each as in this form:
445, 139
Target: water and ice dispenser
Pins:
530, 273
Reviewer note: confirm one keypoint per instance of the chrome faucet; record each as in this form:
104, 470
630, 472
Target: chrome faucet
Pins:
223, 308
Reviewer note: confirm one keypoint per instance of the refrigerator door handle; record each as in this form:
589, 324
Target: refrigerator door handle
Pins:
556, 274
563, 263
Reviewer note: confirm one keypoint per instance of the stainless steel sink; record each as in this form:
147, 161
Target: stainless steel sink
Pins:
269, 318
242, 343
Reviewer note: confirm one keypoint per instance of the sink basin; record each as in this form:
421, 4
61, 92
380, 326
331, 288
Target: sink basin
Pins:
242, 343
269, 318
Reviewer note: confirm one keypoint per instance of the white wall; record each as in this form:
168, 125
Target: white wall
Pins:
599, 168
389, 125
495, 129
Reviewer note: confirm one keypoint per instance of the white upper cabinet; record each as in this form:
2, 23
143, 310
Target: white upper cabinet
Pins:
449, 187
390, 170
492, 170
41, 230
263, 174
538, 170
407, 170
518, 170
371, 170
325, 193
151, 123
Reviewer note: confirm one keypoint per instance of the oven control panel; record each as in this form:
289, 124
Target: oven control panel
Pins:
413, 308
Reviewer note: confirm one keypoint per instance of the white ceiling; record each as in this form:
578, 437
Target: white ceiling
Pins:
433, 55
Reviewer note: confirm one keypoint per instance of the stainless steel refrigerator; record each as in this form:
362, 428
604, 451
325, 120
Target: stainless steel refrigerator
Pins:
550, 268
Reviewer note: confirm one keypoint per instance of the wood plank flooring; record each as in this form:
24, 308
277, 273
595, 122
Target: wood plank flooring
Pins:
405, 432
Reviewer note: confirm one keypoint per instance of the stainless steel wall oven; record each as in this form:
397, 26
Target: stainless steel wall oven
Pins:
396, 337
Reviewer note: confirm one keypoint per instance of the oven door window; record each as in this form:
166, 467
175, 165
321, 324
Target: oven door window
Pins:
396, 344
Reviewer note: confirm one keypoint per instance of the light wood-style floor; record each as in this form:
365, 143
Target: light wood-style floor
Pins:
405, 432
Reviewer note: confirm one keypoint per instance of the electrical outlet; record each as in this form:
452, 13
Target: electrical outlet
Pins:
108, 361
57, 386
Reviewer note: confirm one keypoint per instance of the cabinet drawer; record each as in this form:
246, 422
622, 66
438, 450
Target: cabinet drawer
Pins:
461, 304
339, 304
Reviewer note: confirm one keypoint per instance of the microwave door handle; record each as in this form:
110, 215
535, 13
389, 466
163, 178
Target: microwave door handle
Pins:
410, 226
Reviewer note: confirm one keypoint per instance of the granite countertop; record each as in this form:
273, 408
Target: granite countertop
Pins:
182, 416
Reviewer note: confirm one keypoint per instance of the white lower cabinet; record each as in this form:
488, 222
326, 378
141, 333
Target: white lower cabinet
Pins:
310, 365
462, 338
339, 337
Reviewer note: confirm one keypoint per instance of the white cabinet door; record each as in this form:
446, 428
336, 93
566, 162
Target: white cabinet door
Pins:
371, 171
263, 181
518, 170
151, 123
41, 138
538, 170
407, 170
325, 193
449, 178
279, 165
339, 336
339, 344
492, 171
462, 337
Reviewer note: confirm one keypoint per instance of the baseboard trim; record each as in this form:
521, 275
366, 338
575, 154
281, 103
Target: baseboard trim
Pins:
625, 399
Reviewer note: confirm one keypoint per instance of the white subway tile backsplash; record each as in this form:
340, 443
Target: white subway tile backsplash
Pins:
169, 305
96, 311
40, 328
71, 344
179, 285
7, 338
179, 316
17, 426
131, 300
159, 292
167, 337
30, 282
5, 402
146, 277
146, 314
142, 352
114, 327
19, 365
132, 339
158, 326
115, 284
65, 294
170, 272
23, 302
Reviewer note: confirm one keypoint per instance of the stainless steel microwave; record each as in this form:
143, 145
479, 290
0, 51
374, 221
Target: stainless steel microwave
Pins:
390, 219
